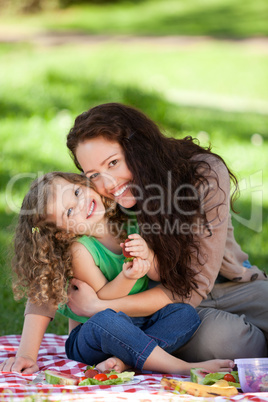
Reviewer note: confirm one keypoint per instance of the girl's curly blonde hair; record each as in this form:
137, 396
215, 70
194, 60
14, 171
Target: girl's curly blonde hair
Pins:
42, 263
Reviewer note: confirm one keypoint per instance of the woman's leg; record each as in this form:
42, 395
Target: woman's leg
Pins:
234, 321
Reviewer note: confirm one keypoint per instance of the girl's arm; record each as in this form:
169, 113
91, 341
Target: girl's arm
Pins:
34, 328
87, 271
84, 301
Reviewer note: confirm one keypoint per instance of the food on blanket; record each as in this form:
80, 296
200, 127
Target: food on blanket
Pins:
54, 377
127, 254
229, 377
125, 376
90, 373
198, 375
256, 383
202, 376
192, 388
100, 377
253, 374
113, 377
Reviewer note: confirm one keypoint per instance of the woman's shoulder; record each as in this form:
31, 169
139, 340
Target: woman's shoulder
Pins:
210, 164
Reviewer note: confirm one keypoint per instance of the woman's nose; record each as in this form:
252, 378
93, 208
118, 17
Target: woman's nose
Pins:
108, 181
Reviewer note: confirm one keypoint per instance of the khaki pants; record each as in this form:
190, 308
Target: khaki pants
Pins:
234, 323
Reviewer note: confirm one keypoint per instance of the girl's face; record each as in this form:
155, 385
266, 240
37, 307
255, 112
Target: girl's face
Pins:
103, 162
78, 209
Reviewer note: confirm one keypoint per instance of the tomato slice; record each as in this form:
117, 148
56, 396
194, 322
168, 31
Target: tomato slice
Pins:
82, 379
100, 377
229, 378
113, 377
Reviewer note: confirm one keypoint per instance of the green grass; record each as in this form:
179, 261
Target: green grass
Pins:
217, 18
43, 89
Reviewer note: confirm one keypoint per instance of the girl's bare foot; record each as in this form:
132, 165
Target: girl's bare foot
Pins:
217, 365
113, 363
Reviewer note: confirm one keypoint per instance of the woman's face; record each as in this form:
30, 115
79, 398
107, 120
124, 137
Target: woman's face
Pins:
76, 208
103, 162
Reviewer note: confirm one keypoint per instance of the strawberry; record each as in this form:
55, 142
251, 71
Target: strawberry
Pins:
126, 254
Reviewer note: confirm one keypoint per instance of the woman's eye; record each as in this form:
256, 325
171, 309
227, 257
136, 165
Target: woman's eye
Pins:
69, 211
93, 176
113, 163
77, 191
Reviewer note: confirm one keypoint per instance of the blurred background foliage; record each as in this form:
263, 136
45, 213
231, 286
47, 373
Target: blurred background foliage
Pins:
197, 68
218, 18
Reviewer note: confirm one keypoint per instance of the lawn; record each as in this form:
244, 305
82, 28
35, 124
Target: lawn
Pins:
217, 18
216, 91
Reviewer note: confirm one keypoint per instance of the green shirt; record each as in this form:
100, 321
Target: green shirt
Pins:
110, 265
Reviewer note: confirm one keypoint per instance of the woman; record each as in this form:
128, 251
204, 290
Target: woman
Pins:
180, 193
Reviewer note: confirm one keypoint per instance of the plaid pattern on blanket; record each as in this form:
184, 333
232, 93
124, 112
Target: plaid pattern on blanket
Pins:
145, 387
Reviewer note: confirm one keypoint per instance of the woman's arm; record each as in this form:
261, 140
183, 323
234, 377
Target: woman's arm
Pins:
34, 328
87, 271
215, 196
84, 301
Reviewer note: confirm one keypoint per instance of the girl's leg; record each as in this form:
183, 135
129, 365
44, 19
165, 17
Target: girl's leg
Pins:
112, 363
110, 333
161, 361
172, 326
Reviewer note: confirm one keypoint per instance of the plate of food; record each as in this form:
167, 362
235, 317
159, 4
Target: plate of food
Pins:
202, 376
205, 384
91, 377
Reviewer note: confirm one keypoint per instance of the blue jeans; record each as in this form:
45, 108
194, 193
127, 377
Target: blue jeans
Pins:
131, 339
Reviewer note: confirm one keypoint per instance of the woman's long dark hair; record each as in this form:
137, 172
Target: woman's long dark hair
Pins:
158, 164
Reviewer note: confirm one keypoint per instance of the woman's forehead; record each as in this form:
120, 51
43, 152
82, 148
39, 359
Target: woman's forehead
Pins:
96, 151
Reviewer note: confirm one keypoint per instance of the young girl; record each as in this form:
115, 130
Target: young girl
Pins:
58, 208
180, 191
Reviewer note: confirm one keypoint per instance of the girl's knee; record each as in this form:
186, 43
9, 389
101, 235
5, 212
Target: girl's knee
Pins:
188, 312
105, 316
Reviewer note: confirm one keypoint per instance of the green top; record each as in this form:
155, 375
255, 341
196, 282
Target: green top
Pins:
110, 265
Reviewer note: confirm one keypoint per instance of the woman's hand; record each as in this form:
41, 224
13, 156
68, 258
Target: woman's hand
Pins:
136, 269
19, 364
82, 299
137, 247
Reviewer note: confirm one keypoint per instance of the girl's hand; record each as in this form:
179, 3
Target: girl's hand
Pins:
136, 269
137, 247
20, 364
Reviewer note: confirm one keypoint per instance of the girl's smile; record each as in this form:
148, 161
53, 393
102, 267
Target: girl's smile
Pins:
103, 162
78, 209
91, 209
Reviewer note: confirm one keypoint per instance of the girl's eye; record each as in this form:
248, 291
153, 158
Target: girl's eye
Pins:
69, 211
77, 191
93, 176
113, 163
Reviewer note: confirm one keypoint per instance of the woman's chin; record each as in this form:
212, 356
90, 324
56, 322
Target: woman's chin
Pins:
126, 202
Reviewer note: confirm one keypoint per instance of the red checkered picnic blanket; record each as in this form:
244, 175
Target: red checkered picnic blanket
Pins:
145, 387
